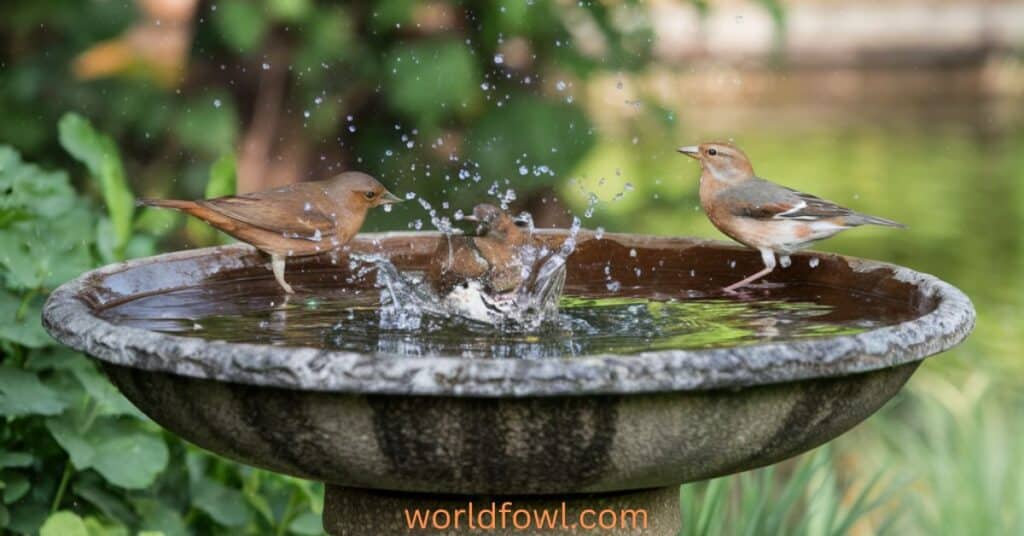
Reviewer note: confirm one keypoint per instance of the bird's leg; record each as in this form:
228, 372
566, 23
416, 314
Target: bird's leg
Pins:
768, 256
277, 263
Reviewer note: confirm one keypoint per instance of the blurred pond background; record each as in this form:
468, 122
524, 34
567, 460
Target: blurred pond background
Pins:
910, 110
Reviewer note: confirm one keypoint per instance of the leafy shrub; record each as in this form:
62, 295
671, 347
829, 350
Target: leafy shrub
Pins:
76, 456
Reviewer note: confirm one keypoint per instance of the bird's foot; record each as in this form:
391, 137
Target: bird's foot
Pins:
277, 264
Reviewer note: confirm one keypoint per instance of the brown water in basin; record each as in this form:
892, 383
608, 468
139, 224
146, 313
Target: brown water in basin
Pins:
618, 299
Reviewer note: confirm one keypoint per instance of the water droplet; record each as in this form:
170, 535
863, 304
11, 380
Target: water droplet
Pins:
499, 58
813, 263
560, 85
523, 170
599, 234
632, 253
266, 66
216, 103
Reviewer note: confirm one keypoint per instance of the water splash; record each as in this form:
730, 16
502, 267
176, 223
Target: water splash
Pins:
408, 299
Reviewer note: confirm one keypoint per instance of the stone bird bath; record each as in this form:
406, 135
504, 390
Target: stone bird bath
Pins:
388, 432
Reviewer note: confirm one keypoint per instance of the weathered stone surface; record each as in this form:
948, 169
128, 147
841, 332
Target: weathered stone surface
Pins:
946, 318
504, 426
515, 445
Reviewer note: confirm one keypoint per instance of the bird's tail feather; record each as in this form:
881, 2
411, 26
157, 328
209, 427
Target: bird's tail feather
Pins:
867, 219
165, 203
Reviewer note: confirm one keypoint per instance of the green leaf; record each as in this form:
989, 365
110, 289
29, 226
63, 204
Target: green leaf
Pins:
251, 491
430, 81
30, 512
111, 505
157, 222
128, 458
44, 252
208, 124
390, 14
110, 400
160, 518
75, 444
64, 523
21, 393
100, 155
98, 528
289, 10
29, 191
225, 505
140, 246
15, 486
15, 459
118, 449
240, 23
307, 523
222, 177
21, 322
44, 238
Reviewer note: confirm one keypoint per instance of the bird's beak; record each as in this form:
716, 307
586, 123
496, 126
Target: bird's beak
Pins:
690, 150
389, 198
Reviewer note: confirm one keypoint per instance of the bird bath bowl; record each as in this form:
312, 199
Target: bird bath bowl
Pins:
387, 432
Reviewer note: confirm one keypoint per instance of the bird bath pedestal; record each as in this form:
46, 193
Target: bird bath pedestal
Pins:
388, 433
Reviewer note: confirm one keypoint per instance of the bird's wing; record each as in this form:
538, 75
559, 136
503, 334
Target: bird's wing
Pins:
760, 199
296, 211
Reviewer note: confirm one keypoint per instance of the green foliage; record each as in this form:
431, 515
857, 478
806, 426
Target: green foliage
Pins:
430, 81
524, 133
241, 24
808, 500
100, 155
64, 523
75, 456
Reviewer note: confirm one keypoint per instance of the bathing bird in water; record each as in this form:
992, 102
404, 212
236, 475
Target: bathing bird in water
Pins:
294, 221
493, 257
770, 218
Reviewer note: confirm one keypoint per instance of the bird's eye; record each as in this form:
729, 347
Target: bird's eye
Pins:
712, 151
370, 195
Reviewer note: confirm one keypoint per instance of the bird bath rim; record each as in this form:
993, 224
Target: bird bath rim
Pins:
72, 320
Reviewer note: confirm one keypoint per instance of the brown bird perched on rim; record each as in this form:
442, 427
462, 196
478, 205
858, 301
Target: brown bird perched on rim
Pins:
492, 258
770, 218
294, 221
